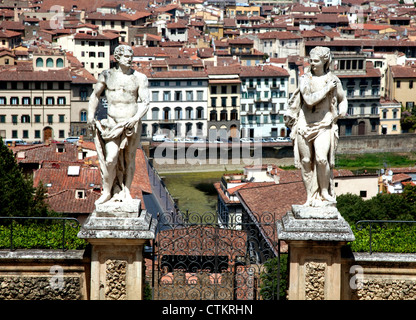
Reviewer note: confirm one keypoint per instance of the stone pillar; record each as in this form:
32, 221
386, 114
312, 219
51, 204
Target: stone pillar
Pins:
117, 232
315, 236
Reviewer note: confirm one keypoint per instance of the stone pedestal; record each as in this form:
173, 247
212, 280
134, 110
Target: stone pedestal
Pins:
118, 232
315, 237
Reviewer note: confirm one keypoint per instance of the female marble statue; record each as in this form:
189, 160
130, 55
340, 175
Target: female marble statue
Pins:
312, 113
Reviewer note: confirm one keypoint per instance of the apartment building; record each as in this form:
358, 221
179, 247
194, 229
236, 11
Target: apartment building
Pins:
35, 105
224, 93
390, 114
278, 44
178, 104
401, 83
91, 48
44, 98
264, 94
361, 82
116, 21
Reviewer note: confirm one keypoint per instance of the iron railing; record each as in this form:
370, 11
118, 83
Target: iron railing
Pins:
359, 224
63, 220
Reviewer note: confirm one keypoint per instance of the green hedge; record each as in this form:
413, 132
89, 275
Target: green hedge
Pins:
397, 238
44, 235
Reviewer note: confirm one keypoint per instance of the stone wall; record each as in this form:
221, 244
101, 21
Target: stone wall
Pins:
379, 276
44, 275
380, 143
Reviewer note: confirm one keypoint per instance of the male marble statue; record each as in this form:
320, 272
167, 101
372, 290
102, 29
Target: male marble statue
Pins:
118, 136
313, 111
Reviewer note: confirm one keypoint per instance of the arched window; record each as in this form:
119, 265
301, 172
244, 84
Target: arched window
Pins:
83, 116
49, 63
166, 113
59, 63
213, 115
178, 113
39, 62
155, 114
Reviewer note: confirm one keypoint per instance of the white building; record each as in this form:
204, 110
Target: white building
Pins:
92, 49
264, 94
178, 106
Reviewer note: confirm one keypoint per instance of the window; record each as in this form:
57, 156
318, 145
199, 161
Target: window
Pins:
223, 101
25, 118
178, 113
223, 89
37, 134
61, 134
25, 134
155, 96
50, 118
155, 113
213, 102
26, 101
61, 100
61, 118
189, 96
2, 100
83, 93
363, 193
2, 118
14, 100
394, 114
178, 95
233, 89
91, 54
59, 63
37, 118
166, 95
39, 62
50, 101
200, 95
49, 63
83, 116
189, 113
14, 134
214, 90
100, 65
101, 54
14, 119
199, 113
398, 84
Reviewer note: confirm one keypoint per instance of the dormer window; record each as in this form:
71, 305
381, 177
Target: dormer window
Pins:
80, 194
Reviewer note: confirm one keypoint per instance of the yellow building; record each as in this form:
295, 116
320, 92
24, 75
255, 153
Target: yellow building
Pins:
233, 11
390, 114
401, 85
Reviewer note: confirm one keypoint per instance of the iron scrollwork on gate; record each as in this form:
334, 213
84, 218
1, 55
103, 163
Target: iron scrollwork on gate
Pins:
196, 257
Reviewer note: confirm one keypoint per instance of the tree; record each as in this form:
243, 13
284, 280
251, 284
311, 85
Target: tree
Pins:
18, 197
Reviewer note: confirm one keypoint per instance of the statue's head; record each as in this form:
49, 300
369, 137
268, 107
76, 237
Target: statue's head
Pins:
324, 53
123, 54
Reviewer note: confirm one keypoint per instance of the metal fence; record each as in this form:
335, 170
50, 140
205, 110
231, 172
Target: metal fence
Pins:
10, 223
194, 258
360, 225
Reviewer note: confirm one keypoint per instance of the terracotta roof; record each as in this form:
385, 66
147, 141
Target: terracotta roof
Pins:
66, 202
98, 36
281, 35
403, 71
13, 74
263, 71
182, 74
400, 177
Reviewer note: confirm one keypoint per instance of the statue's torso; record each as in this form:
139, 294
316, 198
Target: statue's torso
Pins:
121, 94
321, 112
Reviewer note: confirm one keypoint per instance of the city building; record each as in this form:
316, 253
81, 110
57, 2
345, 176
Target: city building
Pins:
224, 93
264, 93
178, 104
361, 83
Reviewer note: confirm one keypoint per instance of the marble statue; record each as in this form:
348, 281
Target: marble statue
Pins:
118, 136
312, 115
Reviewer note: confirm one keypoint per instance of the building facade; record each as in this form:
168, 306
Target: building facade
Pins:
264, 94
178, 104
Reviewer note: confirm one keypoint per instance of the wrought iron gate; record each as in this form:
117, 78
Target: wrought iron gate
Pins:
196, 257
